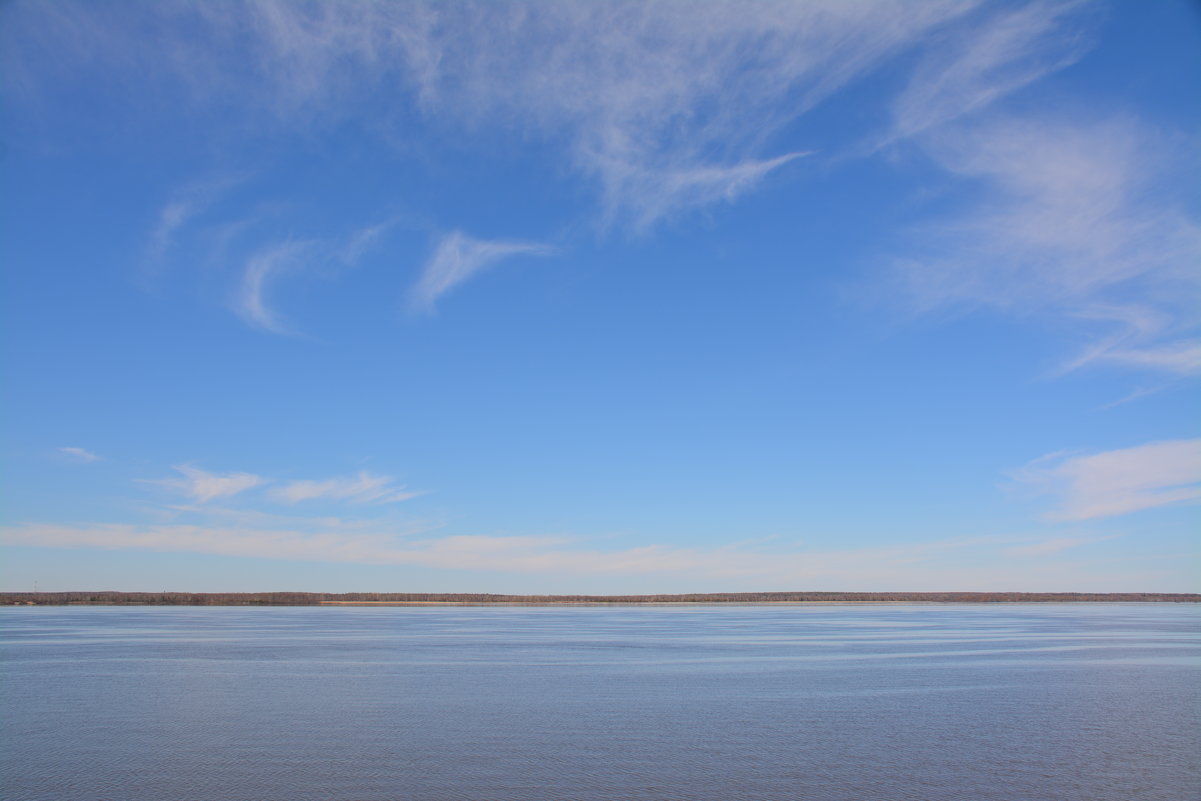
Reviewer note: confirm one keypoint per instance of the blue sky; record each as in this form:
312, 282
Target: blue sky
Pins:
600, 297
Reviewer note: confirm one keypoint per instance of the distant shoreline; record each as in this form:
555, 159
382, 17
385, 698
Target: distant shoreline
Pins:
107, 598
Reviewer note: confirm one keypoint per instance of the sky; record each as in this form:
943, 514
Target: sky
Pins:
600, 297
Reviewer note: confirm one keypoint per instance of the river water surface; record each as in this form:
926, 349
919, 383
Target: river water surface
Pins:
823, 702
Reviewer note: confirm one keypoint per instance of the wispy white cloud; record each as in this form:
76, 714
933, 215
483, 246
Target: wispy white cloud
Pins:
1117, 482
183, 207
261, 270
201, 485
916, 566
470, 552
222, 239
1002, 52
272, 543
1182, 357
457, 258
642, 99
82, 455
1130, 397
170, 218
666, 106
648, 196
364, 239
1068, 223
1056, 545
362, 488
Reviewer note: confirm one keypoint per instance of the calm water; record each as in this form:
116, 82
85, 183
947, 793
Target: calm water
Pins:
822, 702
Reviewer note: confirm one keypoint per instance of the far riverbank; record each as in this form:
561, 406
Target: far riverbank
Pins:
112, 598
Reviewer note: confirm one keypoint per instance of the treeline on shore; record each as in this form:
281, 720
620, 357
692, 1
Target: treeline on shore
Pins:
318, 598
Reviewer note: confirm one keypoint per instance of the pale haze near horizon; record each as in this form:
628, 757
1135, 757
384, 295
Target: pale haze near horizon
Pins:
601, 297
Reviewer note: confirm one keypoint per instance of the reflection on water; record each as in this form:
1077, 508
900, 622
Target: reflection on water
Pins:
826, 702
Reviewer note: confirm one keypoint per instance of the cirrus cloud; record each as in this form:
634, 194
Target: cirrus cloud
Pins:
1117, 482
82, 455
201, 485
913, 566
362, 488
1068, 223
459, 257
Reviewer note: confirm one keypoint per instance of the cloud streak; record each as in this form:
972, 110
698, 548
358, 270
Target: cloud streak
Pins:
667, 107
1117, 482
1067, 222
915, 565
364, 240
260, 273
201, 485
1054, 546
643, 100
362, 488
82, 455
183, 207
459, 257
649, 195
1007, 51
